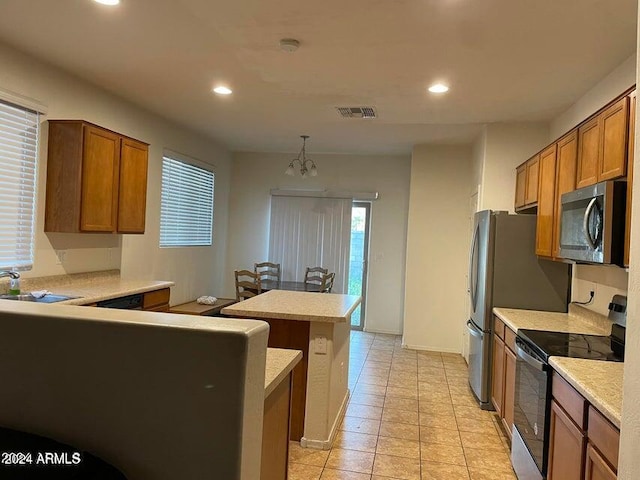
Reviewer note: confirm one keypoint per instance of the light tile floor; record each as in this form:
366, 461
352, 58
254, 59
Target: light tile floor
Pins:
410, 417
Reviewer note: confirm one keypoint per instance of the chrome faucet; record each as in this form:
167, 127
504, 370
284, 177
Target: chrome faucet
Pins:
9, 273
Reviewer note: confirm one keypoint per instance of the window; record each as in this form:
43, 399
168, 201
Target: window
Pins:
18, 162
186, 213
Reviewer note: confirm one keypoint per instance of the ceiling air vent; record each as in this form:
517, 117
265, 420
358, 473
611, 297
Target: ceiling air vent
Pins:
357, 112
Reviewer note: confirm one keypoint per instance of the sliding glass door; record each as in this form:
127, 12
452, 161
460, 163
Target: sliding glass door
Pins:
358, 256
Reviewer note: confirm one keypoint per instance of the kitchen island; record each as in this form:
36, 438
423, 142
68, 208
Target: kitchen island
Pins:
318, 324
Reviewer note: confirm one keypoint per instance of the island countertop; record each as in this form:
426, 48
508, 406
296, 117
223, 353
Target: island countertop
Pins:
280, 361
302, 306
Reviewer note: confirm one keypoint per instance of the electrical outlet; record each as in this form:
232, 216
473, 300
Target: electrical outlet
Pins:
61, 255
321, 345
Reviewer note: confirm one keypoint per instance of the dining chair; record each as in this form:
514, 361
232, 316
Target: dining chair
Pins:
313, 275
247, 284
267, 271
327, 282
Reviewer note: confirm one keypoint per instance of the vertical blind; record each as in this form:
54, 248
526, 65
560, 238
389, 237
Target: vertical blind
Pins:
186, 212
311, 232
18, 162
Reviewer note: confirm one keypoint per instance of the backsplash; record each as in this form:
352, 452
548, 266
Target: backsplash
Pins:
606, 281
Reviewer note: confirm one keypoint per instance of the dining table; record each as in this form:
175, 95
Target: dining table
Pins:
290, 285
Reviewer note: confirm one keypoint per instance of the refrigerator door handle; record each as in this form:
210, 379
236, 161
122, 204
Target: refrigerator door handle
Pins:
473, 290
535, 363
473, 330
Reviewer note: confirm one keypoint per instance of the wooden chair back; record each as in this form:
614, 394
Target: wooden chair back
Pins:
267, 271
314, 275
327, 282
247, 284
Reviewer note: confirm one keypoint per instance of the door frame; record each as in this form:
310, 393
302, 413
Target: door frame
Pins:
365, 260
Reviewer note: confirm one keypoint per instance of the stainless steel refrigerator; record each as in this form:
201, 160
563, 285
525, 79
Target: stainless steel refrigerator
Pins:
504, 271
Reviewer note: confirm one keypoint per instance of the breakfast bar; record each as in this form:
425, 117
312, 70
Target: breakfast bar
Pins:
318, 324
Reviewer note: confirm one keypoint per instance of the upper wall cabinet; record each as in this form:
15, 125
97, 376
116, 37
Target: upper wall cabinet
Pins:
546, 202
527, 184
602, 145
96, 180
632, 134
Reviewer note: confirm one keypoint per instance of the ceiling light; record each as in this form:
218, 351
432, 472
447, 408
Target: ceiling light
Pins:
223, 90
307, 166
289, 44
438, 88
108, 2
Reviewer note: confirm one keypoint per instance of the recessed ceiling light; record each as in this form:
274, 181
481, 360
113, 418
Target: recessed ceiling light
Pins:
223, 90
108, 2
438, 88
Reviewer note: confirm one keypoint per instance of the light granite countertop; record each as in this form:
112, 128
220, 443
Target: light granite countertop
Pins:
577, 320
598, 381
91, 287
303, 306
280, 362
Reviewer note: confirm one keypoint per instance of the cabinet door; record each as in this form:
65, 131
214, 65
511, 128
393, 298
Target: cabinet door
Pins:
100, 171
132, 196
546, 202
566, 447
509, 389
521, 185
597, 468
566, 157
631, 156
497, 382
531, 192
588, 153
614, 131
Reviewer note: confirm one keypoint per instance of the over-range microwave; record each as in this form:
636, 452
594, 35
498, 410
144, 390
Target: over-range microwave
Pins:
592, 223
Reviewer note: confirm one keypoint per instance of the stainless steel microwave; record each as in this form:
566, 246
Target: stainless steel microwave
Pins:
592, 223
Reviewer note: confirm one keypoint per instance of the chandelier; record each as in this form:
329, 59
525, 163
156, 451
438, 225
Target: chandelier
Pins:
306, 165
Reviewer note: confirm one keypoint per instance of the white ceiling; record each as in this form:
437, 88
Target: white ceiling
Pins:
506, 60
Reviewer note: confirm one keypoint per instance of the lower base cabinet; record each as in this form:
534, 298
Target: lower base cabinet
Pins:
503, 382
597, 467
566, 446
275, 432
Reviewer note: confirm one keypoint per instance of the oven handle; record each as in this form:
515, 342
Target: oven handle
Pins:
585, 223
534, 362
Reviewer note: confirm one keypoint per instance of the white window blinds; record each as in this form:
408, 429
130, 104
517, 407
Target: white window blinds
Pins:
18, 162
186, 214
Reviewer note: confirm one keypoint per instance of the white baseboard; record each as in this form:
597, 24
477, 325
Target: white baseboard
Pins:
385, 332
326, 444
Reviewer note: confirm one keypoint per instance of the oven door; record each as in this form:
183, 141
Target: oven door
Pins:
532, 406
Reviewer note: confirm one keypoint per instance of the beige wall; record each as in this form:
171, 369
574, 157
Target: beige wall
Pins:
196, 271
505, 147
629, 460
437, 248
609, 280
255, 174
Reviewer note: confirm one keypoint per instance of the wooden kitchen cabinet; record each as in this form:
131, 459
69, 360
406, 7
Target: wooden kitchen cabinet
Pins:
96, 180
597, 468
602, 145
156, 300
566, 446
546, 202
497, 382
527, 184
631, 156
566, 158
503, 381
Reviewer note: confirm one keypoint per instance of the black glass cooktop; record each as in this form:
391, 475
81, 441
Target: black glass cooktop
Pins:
575, 345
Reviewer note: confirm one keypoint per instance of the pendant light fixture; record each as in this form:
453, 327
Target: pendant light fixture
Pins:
306, 165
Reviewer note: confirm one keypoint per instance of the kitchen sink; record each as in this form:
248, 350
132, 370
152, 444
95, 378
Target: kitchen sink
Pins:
49, 298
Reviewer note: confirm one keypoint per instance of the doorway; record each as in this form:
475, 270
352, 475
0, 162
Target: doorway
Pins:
358, 256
